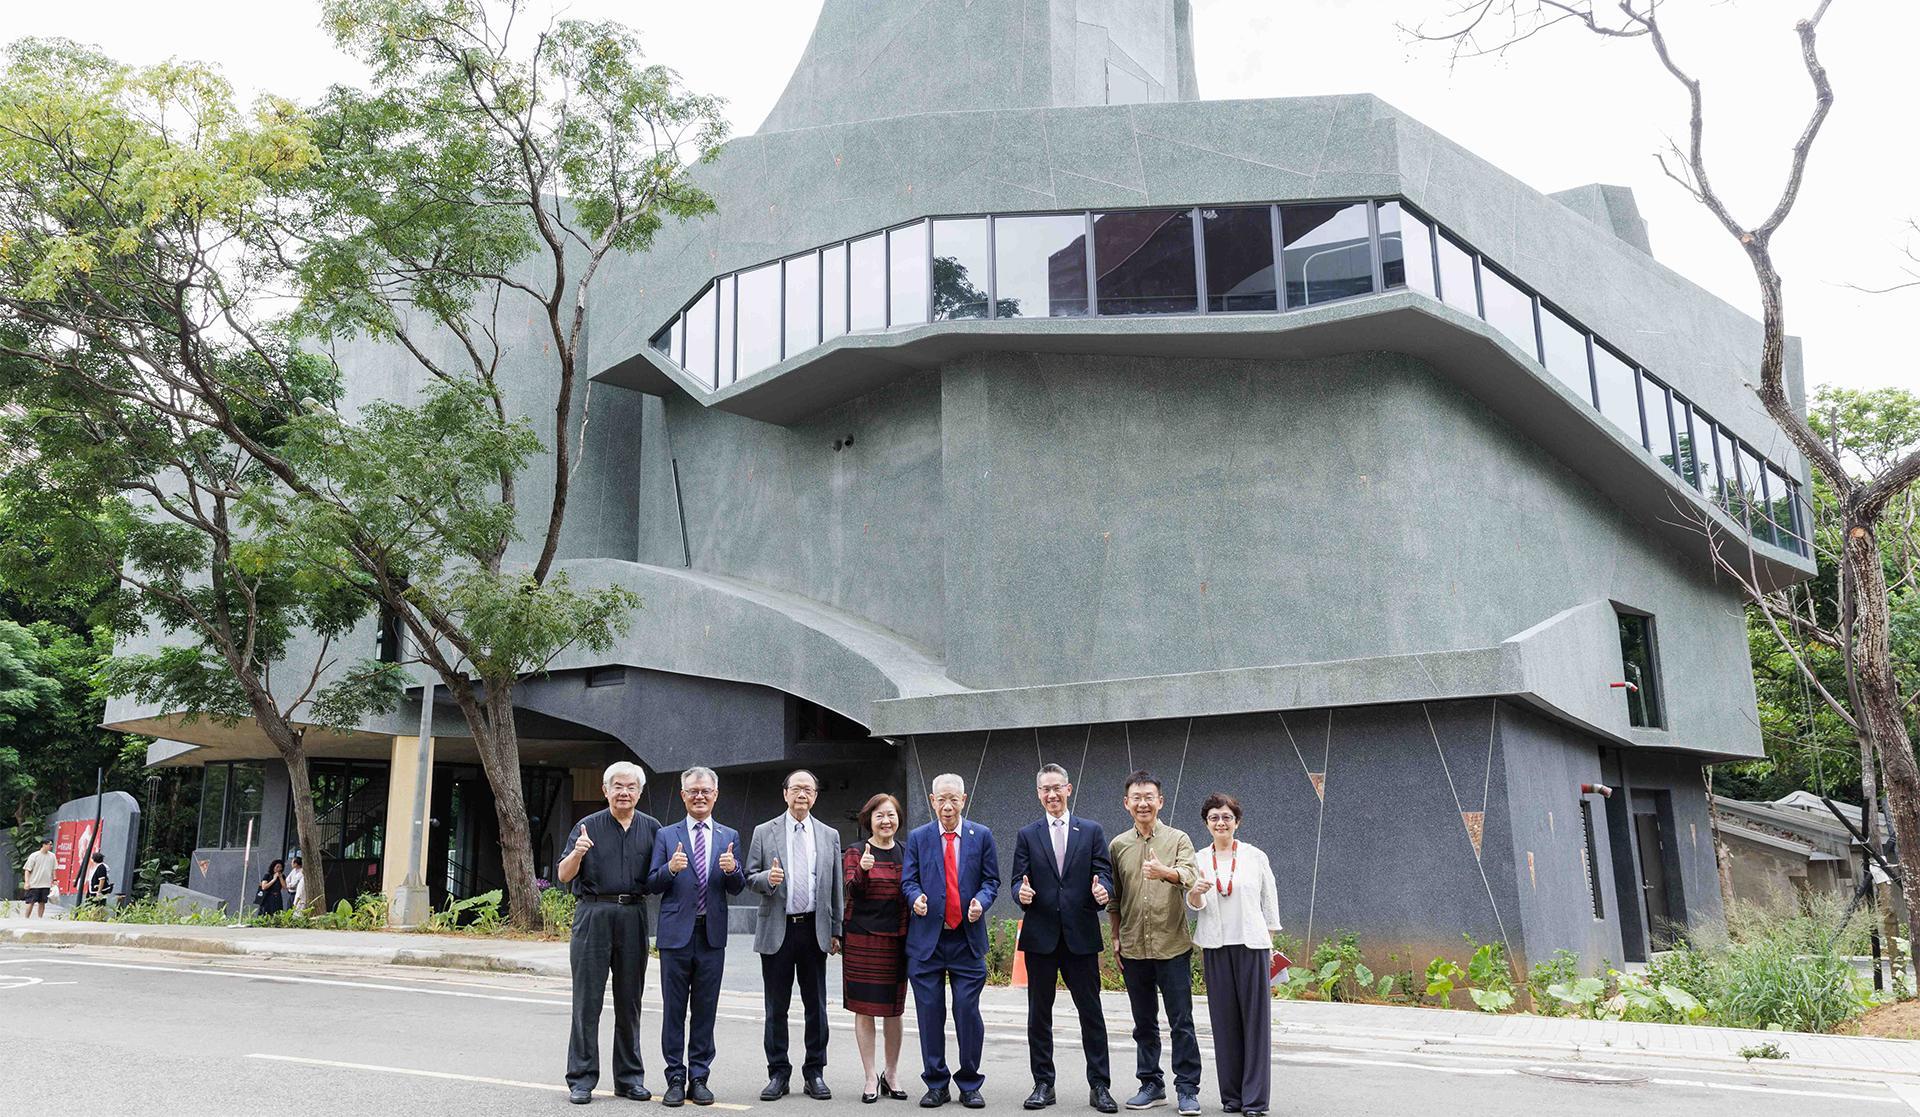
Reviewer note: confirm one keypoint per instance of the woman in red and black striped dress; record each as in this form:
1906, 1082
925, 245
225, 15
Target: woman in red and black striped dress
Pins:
873, 950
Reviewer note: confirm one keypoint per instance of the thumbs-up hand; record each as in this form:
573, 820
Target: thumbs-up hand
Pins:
583, 843
1150, 866
974, 911
679, 859
920, 905
1026, 891
774, 875
726, 859
866, 857
1100, 893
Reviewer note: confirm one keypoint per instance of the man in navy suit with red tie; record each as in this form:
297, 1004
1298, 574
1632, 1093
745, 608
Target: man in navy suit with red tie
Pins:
1062, 879
951, 876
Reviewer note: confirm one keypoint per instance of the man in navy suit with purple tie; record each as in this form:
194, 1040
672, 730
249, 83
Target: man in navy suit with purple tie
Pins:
951, 876
697, 864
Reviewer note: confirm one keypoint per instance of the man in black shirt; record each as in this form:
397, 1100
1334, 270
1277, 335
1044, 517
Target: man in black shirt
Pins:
612, 851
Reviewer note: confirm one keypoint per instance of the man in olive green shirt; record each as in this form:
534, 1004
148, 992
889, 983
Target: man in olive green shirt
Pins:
1152, 871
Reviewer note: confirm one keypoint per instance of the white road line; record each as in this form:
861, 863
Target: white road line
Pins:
1908, 1094
450, 1077
287, 979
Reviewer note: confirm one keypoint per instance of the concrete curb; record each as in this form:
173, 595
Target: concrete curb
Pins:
189, 944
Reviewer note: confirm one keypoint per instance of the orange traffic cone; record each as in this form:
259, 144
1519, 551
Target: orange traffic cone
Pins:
1019, 958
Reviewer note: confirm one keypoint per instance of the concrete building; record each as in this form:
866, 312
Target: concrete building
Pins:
1019, 405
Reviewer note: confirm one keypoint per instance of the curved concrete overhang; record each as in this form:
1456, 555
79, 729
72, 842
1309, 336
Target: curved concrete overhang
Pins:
1465, 349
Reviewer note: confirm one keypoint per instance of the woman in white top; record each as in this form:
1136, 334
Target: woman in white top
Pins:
1238, 909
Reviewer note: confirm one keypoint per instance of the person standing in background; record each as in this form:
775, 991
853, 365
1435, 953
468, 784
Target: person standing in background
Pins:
297, 884
39, 871
1239, 911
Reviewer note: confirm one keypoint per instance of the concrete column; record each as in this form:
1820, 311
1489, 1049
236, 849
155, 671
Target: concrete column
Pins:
405, 776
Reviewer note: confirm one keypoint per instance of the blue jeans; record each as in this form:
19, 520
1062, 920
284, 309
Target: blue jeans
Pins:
1172, 980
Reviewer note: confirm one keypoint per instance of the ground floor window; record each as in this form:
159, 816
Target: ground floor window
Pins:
230, 799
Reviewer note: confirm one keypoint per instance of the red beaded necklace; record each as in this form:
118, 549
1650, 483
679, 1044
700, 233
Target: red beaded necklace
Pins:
1224, 884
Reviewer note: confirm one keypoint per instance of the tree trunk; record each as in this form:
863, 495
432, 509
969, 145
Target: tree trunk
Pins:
291, 744
498, 743
1722, 857
1880, 712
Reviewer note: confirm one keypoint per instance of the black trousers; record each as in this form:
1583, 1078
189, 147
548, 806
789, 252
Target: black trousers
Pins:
1240, 1005
690, 979
609, 940
798, 961
1082, 972
1169, 980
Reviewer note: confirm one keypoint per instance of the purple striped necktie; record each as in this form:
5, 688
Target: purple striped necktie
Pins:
700, 868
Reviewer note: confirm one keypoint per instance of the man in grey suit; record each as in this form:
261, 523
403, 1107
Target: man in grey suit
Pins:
794, 864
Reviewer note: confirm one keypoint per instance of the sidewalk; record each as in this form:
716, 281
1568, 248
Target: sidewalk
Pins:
1376, 1030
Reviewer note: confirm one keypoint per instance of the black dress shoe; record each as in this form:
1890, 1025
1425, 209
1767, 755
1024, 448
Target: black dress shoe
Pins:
634, 1093
935, 1098
891, 1089
972, 1099
869, 1099
775, 1088
579, 1097
817, 1089
697, 1092
1041, 1097
1103, 1101
676, 1095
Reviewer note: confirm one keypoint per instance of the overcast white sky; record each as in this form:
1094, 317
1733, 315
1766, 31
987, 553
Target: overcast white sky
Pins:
1563, 110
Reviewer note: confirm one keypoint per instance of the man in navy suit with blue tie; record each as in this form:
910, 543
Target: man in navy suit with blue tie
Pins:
1062, 879
697, 864
951, 875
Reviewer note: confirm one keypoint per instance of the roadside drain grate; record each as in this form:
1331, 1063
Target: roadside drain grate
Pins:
1590, 1077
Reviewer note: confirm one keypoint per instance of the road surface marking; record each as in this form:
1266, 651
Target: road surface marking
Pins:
448, 1076
1699, 1083
286, 979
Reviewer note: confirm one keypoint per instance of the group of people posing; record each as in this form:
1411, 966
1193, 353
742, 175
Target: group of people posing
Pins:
910, 909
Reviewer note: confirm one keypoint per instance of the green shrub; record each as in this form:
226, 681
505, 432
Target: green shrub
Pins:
152, 911
1002, 935
1563, 969
556, 912
1491, 975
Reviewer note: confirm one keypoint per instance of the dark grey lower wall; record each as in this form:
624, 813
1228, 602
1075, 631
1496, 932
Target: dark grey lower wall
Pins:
1388, 851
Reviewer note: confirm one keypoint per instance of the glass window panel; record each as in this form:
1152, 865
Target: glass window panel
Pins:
1753, 494
701, 320
1687, 451
907, 272
803, 303
1509, 309
1566, 352
1327, 253
724, 374
757, 337
245, 789
1406, 249
1239, 255
1729, 487
1143, 262
1619, 396
663, 341
1653, 400
1780, 503
868, 309
1040, 266
679, 353
213, 805
960, 266
833, 292
1456, 277
1638, 657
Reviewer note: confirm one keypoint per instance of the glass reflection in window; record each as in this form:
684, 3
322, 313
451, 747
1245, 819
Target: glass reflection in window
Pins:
724, 373
1565, 346
701, 319
833, 291
868, 282
1509, 309
663, 341
1143, 262
1619, 395
1653, 398
960, 264
1327, 255
1239, 255
1456, 277
1040, 266
803, 303
1726, 495
680, 341
907, 274
757, 343
1686, 451
1780, 501
1406, 249
1753, 492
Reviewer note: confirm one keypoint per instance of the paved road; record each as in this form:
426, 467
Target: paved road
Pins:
136, 1032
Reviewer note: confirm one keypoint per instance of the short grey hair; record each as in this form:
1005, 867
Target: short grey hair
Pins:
695, 775
1051, 770
622, 768
947, 779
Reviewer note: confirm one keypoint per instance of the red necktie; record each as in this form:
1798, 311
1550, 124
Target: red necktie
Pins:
953, 881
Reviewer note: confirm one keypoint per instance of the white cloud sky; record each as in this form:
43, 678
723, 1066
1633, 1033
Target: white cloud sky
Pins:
1560, 111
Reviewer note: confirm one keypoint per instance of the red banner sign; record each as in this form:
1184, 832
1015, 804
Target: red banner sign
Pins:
72, 840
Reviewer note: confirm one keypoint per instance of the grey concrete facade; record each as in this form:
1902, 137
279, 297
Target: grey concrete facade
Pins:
1200, 543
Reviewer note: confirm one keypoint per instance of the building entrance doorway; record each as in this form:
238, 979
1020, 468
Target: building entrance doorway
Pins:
1659, 869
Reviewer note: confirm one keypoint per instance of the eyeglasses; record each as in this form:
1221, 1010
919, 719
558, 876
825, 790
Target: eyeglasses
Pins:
1222, 816
699, 792
1046, 787
801, 789
949, 800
